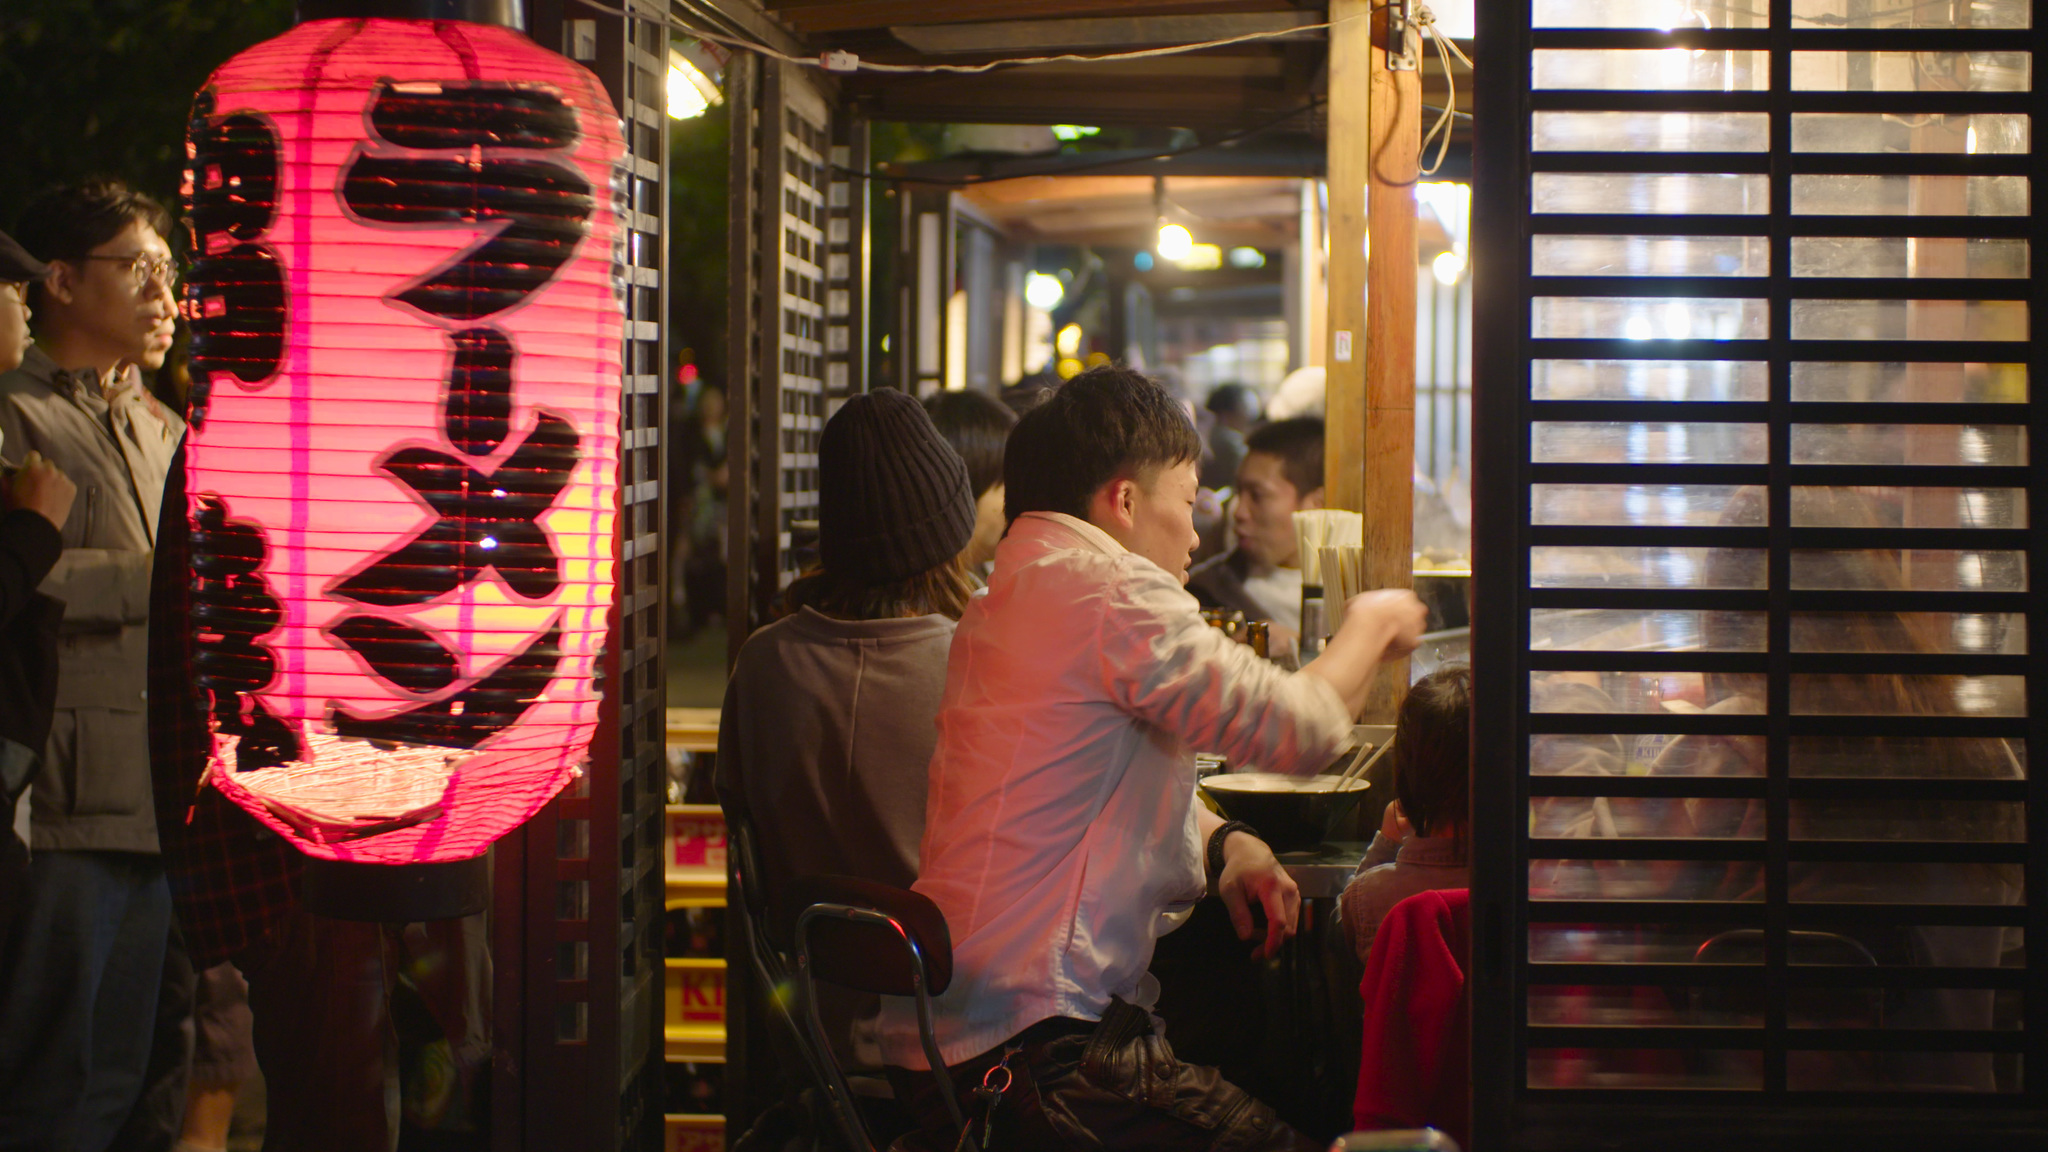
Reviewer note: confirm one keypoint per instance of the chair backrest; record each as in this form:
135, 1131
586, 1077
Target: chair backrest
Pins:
1746, 946
1830, 1007
771, 965
1414, 1069
745, 859
868, 952
869, 936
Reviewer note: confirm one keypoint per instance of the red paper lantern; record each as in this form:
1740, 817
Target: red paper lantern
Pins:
402, 467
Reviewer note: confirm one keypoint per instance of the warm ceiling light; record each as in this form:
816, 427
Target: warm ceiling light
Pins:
1043, 292
1069, 340
1175, 242
690, 91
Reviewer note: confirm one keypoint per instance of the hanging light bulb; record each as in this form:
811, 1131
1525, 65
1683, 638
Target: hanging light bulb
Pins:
684, 100
692, 89
1175, 242
1043, 292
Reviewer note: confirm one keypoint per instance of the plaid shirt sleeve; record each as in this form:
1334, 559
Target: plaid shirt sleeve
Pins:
232, 879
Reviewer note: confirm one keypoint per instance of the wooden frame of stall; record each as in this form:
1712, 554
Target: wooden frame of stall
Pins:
1766, 1106
801, 213
576, 922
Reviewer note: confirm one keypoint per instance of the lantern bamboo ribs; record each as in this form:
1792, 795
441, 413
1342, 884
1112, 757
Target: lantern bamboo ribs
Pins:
407, 319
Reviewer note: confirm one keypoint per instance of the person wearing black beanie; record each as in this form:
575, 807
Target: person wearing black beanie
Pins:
893, 497
829, 718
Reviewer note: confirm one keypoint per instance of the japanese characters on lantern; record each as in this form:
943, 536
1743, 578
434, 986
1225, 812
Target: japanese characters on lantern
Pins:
402, 468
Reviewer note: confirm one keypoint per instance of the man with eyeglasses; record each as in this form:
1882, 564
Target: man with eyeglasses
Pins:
80, 983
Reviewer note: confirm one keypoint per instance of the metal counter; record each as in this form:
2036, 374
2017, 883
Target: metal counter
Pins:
1322, 872
1287, 1030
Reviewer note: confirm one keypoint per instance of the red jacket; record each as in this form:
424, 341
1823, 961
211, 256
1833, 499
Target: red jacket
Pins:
1415, 1068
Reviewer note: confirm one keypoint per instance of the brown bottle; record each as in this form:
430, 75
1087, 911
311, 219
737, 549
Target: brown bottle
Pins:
1260, 634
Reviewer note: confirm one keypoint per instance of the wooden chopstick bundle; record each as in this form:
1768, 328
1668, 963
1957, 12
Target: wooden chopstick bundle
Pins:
1321, 528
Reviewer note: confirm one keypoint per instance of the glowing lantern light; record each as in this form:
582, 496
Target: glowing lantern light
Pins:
401, 470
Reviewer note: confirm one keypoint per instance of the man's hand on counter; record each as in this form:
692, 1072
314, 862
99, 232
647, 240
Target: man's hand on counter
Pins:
1253, 876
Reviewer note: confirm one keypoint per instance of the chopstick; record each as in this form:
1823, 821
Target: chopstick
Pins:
1320, 528
1366, 753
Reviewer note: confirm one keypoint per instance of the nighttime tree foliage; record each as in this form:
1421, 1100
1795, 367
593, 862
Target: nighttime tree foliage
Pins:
104, 87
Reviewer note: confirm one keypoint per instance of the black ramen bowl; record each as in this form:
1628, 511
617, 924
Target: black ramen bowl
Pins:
1288, 812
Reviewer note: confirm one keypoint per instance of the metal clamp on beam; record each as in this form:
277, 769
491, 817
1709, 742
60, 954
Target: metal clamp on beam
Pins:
1401, 22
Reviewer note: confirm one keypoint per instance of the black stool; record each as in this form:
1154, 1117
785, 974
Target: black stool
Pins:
872, 938
769, 957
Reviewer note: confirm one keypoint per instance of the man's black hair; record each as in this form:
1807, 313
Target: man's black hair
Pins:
1106, 423
1298, 445
976, 425
69, 221
1233, 400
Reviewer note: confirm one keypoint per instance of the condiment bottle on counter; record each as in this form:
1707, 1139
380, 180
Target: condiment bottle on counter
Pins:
1260, 634
1313, 631
1228, 621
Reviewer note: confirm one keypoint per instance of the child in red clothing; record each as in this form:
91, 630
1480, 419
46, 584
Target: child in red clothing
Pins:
1422, 843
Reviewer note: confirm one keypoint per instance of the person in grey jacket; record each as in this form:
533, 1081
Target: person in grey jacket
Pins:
829, 719
79, 985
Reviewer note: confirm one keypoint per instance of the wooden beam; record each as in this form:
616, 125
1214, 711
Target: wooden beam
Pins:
744, 185
1394, 167
1347, 147
1370, 439
737, 17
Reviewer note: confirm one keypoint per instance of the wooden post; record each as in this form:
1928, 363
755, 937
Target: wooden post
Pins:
1369, 458
1347, 149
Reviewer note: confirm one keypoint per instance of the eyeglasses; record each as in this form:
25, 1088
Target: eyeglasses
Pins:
143, 268
16, 289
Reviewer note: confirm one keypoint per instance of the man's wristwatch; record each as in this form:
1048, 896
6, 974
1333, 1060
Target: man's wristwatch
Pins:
1215, 853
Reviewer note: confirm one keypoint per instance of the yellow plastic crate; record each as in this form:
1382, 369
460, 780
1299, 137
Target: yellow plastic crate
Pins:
693, 1017
693, 855
693, 1133
693, 729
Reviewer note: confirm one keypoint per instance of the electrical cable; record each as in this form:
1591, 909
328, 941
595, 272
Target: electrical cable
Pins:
848, 62
1421, 19
1425, 21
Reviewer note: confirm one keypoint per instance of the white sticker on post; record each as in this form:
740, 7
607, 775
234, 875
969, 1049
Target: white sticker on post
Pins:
1343, 350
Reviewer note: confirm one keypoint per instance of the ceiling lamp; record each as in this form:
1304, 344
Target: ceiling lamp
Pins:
1043, 292
1175, 243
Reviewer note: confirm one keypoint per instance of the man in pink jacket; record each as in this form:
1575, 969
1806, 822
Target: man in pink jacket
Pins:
1062, 836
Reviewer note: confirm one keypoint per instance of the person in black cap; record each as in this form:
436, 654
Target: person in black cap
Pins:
38, 501
828, 719
38, 497
18, 270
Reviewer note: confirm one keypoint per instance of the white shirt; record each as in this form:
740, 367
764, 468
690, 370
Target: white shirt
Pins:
1278, 592
1060, 829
